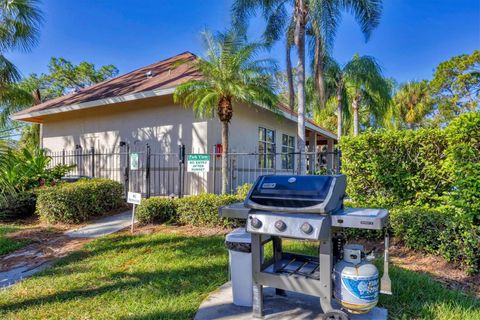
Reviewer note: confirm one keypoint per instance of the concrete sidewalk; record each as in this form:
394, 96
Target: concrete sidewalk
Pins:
103, 226
219, 306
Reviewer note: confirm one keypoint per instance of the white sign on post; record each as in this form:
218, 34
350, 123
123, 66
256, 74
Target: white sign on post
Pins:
134, 198
198, 163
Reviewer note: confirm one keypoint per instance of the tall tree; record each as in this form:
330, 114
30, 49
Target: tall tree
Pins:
20, 21
359, 84
63, 77
456, 86
230, 74
412, 103
321, 18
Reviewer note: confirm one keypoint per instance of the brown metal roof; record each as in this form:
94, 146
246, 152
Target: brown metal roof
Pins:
164, 74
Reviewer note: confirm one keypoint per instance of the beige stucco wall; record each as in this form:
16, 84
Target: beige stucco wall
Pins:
164, 126
157, 121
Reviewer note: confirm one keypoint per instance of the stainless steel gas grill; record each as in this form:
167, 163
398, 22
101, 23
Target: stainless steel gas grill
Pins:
309, 208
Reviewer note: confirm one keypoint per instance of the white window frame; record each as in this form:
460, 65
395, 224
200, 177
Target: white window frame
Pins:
266, 158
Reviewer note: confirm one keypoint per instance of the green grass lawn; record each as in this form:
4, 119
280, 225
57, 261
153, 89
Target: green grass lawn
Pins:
8, 245
166, 276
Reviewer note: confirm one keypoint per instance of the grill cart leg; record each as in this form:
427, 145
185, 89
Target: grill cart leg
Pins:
257, 301
277, 257
256, 269
326, 267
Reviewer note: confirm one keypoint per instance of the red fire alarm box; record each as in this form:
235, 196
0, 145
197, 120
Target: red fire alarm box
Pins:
218, 150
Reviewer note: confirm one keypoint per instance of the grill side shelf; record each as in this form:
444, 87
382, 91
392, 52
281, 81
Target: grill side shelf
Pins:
360, 218
236, 211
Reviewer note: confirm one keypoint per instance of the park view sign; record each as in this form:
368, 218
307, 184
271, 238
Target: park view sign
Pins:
198, 163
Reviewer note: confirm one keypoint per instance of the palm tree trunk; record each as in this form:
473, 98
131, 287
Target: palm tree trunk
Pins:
339, 116
224, 157
355, 116
291, 93
225, 113
300, 17
319, 77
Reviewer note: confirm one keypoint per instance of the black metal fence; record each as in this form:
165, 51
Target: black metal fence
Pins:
154, 172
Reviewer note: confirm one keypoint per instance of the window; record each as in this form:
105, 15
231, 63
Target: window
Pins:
266, 148
288, 148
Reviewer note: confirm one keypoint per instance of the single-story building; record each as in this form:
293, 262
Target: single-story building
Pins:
137, 109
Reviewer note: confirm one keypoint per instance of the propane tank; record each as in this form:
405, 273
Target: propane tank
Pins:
356, 280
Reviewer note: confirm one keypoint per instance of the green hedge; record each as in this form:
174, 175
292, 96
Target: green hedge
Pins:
156, 210
391, 168
200, 210
78, 201
18, 205
442, 231
463, 163
431, 179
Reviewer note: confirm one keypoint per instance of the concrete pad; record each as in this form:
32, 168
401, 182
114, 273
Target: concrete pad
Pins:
103, 226
218, 305
12, 276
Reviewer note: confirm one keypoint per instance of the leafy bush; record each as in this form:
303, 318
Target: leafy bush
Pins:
27, 169
391, 168
443, 231
18, 205
156, 209
242, 191
77, 202
463, 163
431, 177
200, 210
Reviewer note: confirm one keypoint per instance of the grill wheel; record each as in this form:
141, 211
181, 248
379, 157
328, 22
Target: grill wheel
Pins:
335, 315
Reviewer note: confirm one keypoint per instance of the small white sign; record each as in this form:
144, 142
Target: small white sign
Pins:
134, 198
134, 161
198, 163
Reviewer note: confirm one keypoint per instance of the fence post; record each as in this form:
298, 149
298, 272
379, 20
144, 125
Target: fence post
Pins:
181, 162
126, 174
92, 152
147, 172
339, 156
63, 156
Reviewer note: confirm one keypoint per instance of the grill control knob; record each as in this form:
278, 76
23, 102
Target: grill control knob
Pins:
256, 223
280, 225
307, 228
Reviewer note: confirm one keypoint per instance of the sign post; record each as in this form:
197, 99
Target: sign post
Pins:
135, 199
198, 163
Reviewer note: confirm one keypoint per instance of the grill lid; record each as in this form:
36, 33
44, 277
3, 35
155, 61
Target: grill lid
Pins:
318, 194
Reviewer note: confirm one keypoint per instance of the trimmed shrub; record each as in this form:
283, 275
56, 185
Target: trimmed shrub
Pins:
419, 228
392, 168
18, 205
202, 210
463, 163
78, 201
156, 210
443, 231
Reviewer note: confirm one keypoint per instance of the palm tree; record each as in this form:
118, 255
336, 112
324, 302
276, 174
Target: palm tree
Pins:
230, 73
294, 18
19, 30
412, 103
359, 84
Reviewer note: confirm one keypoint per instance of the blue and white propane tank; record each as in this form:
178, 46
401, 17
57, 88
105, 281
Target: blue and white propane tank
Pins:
356, 280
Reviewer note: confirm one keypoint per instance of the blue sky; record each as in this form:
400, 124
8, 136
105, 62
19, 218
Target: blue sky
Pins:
413, 36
